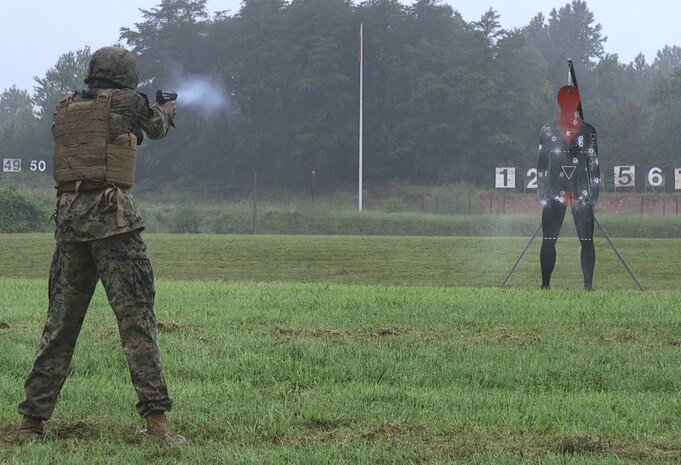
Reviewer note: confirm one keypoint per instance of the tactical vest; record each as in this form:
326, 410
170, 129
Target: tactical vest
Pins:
83, 154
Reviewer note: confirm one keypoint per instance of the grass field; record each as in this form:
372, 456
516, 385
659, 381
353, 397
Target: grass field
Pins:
380, 260
371, 350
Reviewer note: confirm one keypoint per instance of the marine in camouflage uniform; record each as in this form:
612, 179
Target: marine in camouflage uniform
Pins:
98, 238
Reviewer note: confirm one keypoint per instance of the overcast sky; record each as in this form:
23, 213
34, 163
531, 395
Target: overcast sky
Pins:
34, 34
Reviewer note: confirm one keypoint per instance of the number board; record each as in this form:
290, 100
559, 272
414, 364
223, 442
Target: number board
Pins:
11, 165
14, 165
531, 178
625, 176
655, 177
505, 178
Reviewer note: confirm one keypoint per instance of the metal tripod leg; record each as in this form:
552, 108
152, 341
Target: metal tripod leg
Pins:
619, 255
610, 241
522, 254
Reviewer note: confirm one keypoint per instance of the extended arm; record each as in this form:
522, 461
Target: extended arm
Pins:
154, 120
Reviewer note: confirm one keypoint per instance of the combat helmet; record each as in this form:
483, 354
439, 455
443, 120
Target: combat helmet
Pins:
112, 67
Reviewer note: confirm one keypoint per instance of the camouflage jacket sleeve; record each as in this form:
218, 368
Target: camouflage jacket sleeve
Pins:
131, 112
153, 120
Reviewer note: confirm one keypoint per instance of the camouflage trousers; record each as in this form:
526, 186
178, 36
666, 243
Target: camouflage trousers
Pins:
122, 264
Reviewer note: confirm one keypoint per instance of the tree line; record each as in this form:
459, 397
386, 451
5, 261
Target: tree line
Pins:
445, 100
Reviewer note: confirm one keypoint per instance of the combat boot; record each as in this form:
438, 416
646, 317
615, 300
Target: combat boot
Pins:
32, 429
157, 429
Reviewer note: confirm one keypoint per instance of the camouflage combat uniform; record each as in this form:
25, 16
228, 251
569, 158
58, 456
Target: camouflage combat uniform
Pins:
98, 236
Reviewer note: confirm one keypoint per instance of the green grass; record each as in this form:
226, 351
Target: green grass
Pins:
412, 261
237, 218
395, 208
274, 353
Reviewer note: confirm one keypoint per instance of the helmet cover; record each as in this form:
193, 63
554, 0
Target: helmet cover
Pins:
112, 67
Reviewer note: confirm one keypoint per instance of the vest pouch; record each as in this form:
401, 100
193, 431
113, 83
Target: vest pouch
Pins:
82, 148
80, 140
121, 157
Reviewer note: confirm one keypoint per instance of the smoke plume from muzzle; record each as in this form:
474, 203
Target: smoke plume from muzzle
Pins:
203, 95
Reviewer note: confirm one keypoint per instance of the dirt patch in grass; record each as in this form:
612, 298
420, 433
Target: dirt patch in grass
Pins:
580, 445
588, 445
465, 445
506, 335
341, 431
81, 429
383, 332
451, 445
169, 326
4, 325
393, 430
325, 424
87, 429
331, 333
8, 432
286, 333
627, 338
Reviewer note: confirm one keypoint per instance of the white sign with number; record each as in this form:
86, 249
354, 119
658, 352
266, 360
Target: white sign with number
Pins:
625, 176
11, 165
505, 178
677, 179
38, 165
531, 178
655, 177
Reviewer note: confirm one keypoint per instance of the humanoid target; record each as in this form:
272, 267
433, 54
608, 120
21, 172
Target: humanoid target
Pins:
568, 174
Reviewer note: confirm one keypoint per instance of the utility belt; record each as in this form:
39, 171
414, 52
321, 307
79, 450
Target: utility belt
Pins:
112, 195
79, 186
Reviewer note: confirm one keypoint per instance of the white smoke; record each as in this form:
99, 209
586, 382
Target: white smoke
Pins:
201, 94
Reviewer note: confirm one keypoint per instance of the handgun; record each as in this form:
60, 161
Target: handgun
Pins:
163, 96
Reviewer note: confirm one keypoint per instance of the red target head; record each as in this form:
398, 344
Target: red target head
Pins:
568, 99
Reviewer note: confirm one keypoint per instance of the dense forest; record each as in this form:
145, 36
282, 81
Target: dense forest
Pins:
274, 89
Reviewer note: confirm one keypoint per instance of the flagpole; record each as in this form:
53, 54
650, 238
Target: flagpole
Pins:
361, 115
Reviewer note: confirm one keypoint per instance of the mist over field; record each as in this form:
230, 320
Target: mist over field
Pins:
445, 100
